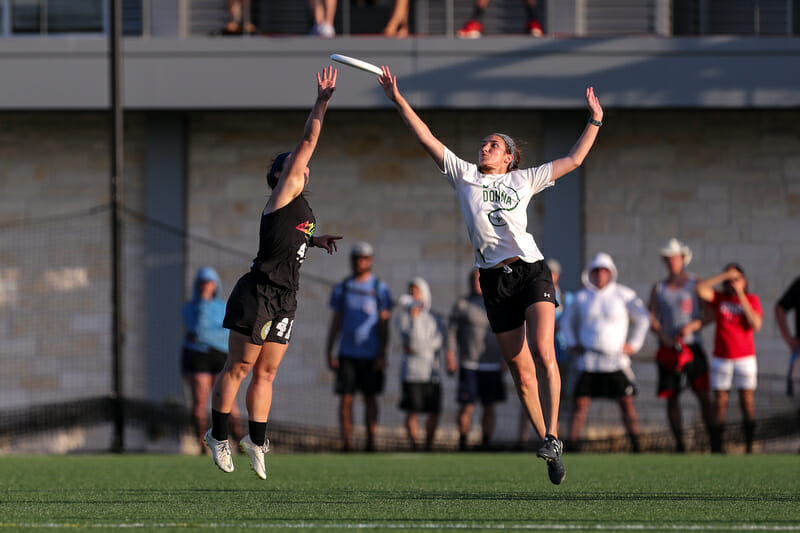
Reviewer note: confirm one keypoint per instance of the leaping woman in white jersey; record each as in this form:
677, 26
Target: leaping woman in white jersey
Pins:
517, 285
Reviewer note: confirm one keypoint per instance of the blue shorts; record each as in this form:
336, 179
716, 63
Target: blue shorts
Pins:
486, 385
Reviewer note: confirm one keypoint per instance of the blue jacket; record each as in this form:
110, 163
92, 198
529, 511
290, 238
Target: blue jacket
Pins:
203, 318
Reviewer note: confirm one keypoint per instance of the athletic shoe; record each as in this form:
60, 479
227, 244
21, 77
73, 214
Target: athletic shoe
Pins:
256, 454
220, 451
534, 28
550, 451
471, 30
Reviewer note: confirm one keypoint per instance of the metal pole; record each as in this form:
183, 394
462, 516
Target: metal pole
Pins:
116, 157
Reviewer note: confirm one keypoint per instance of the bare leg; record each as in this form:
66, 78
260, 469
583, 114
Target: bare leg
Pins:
514, 348
540, 318
430, 430
488, 422
631, 420
371, 420
747, 404
412, 428
580, 410
464, 423
200, 384
242, 355
346, 420
259, 393
398, 22
675, 422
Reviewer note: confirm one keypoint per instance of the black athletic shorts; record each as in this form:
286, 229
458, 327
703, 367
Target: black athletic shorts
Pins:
358, 374
421, 398
484, 385
509, 290
195, 362
260, 311
613, 385
694, 374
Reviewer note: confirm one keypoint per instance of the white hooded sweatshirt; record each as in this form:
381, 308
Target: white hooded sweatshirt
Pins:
603, 321
422, 338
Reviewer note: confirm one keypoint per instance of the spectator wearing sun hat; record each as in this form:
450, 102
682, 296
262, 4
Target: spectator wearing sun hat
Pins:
361, 306
676, 317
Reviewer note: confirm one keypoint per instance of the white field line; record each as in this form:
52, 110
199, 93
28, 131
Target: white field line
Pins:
408, 526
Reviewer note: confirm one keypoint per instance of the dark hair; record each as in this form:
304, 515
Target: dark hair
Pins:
517, 157
275, 169
738, 268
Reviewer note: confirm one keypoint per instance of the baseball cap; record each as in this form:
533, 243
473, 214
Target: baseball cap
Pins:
362, 249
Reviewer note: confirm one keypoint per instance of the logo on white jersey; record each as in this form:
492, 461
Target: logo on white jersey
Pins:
499, 197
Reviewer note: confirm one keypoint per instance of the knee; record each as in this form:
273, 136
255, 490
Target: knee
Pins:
266, 375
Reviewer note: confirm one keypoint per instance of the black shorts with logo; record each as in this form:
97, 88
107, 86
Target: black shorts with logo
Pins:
260, 311
509, 290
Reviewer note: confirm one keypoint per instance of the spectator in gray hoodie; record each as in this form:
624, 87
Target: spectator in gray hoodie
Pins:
421, 336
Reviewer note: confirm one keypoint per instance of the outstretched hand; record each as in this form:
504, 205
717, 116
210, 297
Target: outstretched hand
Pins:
326, 83
328, 242
594, 104
389, 84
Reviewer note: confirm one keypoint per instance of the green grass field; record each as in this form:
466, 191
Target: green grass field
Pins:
421, 492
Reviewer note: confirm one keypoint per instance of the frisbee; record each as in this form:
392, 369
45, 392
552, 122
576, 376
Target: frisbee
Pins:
357, 63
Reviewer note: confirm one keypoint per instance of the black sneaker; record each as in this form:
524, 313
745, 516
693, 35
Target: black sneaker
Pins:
550, 451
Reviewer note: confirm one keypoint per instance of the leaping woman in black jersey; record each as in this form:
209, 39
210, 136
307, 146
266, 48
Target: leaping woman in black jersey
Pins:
260, 310
517, 286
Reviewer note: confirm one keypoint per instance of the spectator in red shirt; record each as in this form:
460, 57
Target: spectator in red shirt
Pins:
738, 316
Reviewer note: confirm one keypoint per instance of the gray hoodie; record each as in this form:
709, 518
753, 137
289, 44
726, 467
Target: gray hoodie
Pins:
421, 337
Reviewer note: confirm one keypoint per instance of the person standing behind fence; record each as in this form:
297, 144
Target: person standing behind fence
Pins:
420, 374
473, 28
324, 13
738, 315
261, 309
788, 302
361, 307
605, 324
205, 348
676, 317
473, 352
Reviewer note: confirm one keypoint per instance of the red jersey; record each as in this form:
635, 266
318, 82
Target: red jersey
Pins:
733, 337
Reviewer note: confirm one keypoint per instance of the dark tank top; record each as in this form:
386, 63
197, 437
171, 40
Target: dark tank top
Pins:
283, 239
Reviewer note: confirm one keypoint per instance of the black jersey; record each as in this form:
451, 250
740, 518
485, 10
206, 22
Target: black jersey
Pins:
283, 239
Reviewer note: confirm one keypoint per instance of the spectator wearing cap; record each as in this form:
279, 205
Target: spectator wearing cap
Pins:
738, 316
676, 317
205, 348
605, 324
359, 328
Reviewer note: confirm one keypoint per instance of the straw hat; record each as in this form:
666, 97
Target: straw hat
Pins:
676, 247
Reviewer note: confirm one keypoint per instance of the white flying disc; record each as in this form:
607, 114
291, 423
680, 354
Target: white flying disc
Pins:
357, 63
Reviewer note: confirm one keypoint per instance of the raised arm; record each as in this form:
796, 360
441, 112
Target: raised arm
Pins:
705, 287
292, 180
575, 157
432, 145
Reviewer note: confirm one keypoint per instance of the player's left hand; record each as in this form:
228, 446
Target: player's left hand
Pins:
593, 104
328, 242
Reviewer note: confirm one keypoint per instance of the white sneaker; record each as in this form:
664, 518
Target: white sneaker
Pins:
220, 451
256, 454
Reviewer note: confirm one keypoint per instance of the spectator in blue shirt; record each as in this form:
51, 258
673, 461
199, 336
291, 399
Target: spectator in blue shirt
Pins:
361, 307
205, 348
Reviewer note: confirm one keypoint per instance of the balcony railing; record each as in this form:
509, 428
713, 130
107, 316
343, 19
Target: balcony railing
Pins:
581, 18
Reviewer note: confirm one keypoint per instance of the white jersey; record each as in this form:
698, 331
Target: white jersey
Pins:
495, 208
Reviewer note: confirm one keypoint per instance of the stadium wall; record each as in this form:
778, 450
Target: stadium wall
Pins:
727, 182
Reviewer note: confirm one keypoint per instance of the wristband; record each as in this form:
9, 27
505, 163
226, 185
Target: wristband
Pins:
594, 122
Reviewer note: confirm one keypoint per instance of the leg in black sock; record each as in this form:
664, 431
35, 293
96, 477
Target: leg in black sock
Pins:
258, 432
219, 425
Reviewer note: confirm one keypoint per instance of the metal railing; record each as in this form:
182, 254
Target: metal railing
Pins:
582, 18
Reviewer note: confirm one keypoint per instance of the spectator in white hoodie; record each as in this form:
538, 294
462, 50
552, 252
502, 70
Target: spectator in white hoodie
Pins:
422, 338
605, 324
